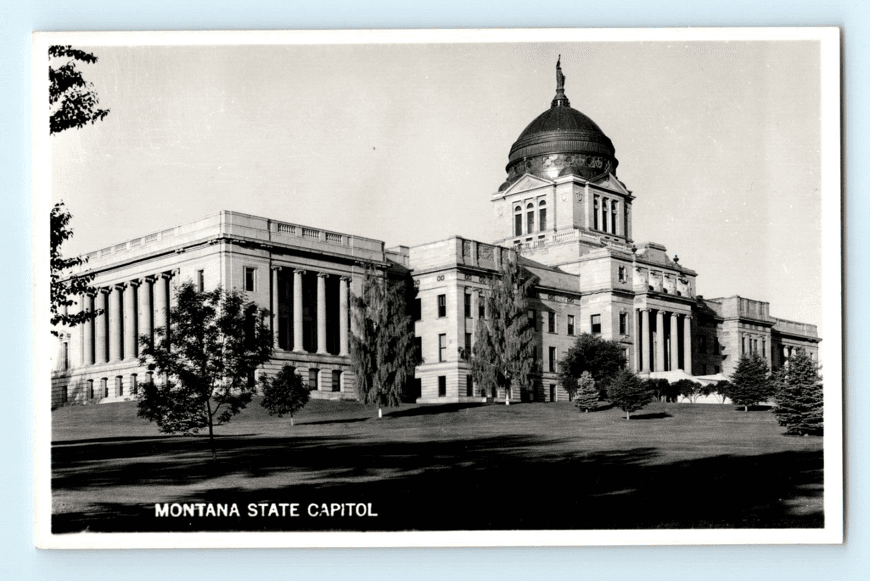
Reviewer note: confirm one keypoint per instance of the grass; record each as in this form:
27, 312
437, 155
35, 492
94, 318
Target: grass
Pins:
445, 467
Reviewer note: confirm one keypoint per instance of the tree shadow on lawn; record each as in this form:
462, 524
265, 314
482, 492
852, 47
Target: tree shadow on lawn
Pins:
432, 409
651, 416
500, 483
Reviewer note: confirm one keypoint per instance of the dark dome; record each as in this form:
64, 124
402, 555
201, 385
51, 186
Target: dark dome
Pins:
561, 141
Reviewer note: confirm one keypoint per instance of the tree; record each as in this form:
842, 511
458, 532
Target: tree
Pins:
722, 389
799, 398
218, 340
586, 397
63, 286
628, 393
688, 389
600, 357
286, 393
72, 101
382, 351
749, 382
505, 348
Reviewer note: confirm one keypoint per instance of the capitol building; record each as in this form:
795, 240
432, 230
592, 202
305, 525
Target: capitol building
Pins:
561, 208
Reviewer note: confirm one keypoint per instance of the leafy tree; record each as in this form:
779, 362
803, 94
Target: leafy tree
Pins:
505, 349
722, 389
600, 357
219, 338
64, 287
749, 382
688, 389
72, 101
586, 397
382, 351
286, 393
628, 393
799, 399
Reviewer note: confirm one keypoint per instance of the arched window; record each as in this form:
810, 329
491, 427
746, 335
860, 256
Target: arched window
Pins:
518, 221
613, 212
530, 218
604, 215
542, 215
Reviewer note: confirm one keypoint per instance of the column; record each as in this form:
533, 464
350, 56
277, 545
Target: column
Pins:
115, 325
675, 343
647, 337
274, 306
88, 330
343, 315
660, 343
321, 312
161, 303
687, 344
131, 345
297, 310
146, 314
101, 343
636, 329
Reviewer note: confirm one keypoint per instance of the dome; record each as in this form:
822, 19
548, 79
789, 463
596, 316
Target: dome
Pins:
561, 141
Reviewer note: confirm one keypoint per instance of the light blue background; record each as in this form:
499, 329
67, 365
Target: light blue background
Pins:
18, 558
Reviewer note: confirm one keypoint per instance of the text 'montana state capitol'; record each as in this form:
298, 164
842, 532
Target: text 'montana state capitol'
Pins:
562, 208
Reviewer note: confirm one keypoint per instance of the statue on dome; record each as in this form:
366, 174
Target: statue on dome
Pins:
560, 78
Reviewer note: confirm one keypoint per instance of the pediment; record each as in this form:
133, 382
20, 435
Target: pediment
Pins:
527, 182
610, 182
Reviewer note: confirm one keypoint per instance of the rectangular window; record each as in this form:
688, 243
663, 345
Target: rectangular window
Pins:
90, 389
542, 219
481, 308
623, 323
104, 387
595, 214
418, 343
551, 322
65, 357
312, 379
442, 386
418, 309
134, 384
119, 385
764, 347
467, 305
552, 360
442, 347
468, 343
530, 221
336, 380
469, 386
518, 224
532, 319
442, 305
623, 276
552, 392
250, 279
596, 324
64, 394
200, 280
570, 324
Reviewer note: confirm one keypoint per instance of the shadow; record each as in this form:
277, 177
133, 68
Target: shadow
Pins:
432, 409
651, 416
118, 439
336, 421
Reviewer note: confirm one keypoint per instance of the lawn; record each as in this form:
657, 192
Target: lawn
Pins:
453, 466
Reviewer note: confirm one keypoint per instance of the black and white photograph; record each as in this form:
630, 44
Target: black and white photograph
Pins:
438, 288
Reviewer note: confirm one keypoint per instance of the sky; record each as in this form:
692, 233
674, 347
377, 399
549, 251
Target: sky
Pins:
719, 142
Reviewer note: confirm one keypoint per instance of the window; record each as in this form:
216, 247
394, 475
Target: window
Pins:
336, 380
119, 385
442, 386
312, 379
518, 221
64, 394
104, 387
596, 324
623, 323
595, 214
442, 305
468, 343
623, 277
65, 356
604, 215
551, 322
542, 216
530, 218
250, 279
552, 360
743, 345
200, 280
570, 324
467, 305
481, 307
134, 384
418, 309
90, 389
418, 343
469, 386
764, 347
552, 392
613, 212
532, 318
442, 347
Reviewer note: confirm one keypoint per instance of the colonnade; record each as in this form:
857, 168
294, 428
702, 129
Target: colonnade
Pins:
753, 344
645, 339
298, 320
127, 312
